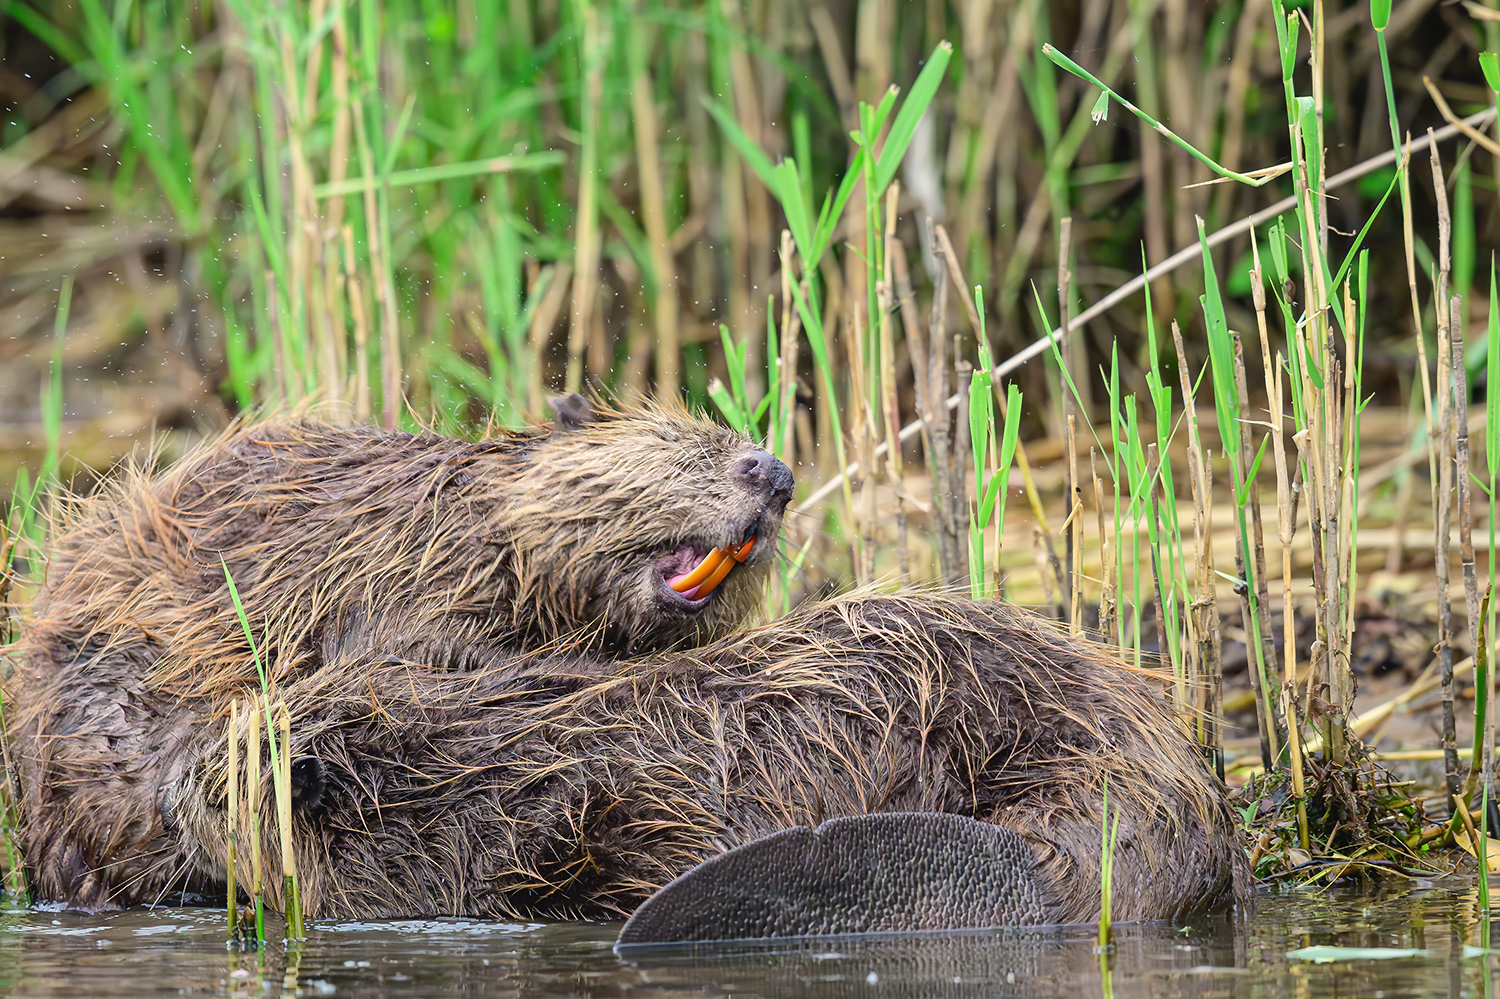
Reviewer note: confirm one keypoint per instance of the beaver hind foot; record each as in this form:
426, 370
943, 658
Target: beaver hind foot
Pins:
895, 872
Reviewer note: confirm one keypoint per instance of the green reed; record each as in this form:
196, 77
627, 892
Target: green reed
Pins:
281, 780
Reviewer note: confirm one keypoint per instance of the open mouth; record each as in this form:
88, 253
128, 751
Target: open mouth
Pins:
702, 579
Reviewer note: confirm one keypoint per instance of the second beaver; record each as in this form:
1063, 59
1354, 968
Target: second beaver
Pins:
558, 785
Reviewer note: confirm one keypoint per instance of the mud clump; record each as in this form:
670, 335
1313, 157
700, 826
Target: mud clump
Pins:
354, 545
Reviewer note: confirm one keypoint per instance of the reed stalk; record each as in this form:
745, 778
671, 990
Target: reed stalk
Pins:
1108, 831
291, 897
231, 838
252, 814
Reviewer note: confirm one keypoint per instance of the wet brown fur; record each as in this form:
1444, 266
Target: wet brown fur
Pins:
373, 543
555, 785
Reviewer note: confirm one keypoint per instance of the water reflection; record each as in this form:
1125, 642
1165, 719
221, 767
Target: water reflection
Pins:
45, 952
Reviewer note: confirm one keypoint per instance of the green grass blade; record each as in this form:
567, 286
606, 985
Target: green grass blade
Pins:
912, 109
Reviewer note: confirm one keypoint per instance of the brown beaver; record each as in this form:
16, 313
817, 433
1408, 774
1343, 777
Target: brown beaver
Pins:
454, 755
559, 785
347, 544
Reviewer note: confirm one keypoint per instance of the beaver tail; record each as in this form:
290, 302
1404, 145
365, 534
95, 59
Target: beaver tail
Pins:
882, 873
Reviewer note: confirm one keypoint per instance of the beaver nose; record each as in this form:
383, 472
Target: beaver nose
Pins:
765, 474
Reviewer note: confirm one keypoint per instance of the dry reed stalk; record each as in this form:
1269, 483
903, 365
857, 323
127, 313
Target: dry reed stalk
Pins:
385, 292
1073, 532
664, 306
791, 335
1205, 615
1260, 626
1349, 566
587, 242
558, 277
917, 349
960, 284
963, 376
1153, 472
890, 404
1286, 529
232, 832
1074, 348
356, 296
1070, 351
1318, 61
864, 450
291, 897
1461, 476
252, 815
1109, 597
1444, 498
952, 562
1409, 242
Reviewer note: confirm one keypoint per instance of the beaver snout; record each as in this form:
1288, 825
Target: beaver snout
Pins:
766, 475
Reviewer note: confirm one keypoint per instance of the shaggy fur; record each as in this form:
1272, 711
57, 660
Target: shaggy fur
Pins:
558, 785
367, 542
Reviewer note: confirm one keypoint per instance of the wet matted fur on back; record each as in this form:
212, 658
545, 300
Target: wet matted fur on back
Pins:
347, 544
558, 785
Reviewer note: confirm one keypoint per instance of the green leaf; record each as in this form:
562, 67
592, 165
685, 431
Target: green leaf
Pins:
1490, 63
1492, 384
1380, 14
879, 114
748, 150
1008, 443
1100, 112
1220, 351
788, 190
829, 220
912, 109
731, 409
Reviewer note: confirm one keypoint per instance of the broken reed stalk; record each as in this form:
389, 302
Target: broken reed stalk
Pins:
232, 889
291, 897
252, 813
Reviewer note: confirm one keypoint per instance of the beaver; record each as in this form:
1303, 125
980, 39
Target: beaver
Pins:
558, 785
614, 530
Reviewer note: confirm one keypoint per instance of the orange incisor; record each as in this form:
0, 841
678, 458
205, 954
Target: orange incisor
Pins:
715, 566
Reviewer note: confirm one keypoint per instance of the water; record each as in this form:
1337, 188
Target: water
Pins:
175, 952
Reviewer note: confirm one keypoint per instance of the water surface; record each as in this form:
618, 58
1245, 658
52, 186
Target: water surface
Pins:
181, 951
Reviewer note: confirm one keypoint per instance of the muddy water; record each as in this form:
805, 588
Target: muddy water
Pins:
173, 952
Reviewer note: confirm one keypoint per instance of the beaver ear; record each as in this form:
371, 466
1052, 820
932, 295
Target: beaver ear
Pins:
573, 411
